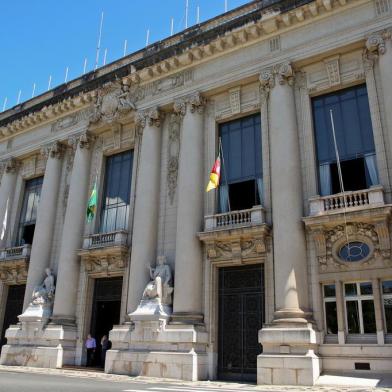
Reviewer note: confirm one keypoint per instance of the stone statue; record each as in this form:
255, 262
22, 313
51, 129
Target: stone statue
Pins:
44, 293
160, 286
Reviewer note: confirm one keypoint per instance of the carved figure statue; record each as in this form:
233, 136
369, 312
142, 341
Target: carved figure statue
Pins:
125, 101
44, 293
160, 285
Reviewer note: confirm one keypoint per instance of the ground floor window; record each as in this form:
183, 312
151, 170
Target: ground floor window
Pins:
359, 304
387, 301
330, 312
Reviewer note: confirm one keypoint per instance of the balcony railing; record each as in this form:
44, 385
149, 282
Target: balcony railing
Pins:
101, 240
373, 196
15, 252
252, 216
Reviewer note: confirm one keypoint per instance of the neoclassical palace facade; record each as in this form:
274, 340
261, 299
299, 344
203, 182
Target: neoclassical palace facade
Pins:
282, 272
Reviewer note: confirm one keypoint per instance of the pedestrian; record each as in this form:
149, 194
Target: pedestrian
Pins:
105, 346
91, 345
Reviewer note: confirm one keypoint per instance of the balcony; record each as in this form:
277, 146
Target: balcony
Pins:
347, 201
105, 254
14, 263
236, 236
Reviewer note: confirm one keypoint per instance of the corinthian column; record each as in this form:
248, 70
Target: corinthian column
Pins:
71, 239
145, 224
188, 260
289, 342
40, 251
7, 187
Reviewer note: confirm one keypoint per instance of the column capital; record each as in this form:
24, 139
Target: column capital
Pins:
282, 73
152, 117
195, 102
375, 43
53, 150
10, 165
83, 140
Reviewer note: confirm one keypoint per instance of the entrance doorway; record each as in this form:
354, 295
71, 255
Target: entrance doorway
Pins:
13, 308
241, 316
106, 310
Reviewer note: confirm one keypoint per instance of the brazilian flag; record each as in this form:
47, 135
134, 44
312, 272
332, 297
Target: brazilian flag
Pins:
92, 204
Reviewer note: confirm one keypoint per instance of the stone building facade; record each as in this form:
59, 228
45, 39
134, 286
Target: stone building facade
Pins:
277, 273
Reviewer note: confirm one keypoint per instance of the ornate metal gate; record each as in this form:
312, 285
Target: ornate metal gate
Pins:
241, 315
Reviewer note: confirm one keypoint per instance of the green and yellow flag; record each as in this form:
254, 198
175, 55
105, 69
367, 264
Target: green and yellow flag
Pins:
92, 204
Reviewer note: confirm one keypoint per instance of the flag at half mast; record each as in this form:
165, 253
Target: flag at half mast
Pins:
92, 204
215, 175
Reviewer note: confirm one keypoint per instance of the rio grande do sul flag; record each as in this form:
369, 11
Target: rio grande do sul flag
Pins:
215, 175
92, 204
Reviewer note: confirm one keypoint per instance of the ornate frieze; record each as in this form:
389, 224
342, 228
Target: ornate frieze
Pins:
106, 265
14, 264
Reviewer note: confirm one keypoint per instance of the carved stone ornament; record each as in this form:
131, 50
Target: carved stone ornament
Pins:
328, 243
44, 293
84, 141
282, 73
105, 265
152, 117
114, 99
11, 165
173, 155
54, 150
14, 272
376, 44
196, 102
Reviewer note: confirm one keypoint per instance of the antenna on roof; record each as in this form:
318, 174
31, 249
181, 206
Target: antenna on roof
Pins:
125, 47
225, 5
5, 103
66, 75
18, 99
186, 13
104, 56
85, 65
171, 26
49, 82
99, 42
32, 94
148, 37
198, 14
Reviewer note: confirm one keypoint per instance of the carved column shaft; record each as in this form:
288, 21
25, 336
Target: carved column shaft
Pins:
145, 223
286, 184
7, 188
46, 215
71, 239
188, 260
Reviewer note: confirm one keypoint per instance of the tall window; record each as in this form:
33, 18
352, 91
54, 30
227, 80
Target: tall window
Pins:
360, 308
28, 214
387, 300
354, 137
241, 177
331, 319
116, 195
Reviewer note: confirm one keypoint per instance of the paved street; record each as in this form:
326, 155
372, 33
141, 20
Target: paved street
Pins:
48, 380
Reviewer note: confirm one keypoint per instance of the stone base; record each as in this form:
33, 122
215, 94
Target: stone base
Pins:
31, 344
289, 355
151, 310
155, 349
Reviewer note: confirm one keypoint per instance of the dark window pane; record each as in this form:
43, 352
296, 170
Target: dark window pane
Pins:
353, 174
387, 287
369, 318
366, 288
331, 318
388, 314
350, 289
329, 290
352, 316
354, 251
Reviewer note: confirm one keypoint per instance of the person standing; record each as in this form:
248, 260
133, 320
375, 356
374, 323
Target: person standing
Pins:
91, 345
105, 346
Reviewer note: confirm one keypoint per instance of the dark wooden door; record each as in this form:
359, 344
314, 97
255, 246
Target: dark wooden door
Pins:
241, 315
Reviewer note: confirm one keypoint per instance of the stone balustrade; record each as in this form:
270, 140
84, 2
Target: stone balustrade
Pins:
101, 240
252, 216
17, 252
372, 197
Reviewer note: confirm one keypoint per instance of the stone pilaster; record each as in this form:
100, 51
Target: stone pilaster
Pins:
7, 187
340, 311
290, 340
187, 306
378, 311
145, 223
43, 234
71, 240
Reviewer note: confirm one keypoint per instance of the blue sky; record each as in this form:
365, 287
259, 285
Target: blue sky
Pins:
39, 38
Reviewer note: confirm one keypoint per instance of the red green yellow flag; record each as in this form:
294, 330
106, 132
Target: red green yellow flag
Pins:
215, 175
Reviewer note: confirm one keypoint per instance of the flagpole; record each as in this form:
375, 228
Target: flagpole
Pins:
224, 171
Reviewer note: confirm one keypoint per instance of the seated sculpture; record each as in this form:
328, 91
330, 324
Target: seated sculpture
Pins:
160, 286
44, 293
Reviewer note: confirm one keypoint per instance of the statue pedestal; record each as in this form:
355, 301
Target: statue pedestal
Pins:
151, 310
37, 313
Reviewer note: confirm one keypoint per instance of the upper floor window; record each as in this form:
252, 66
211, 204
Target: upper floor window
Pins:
241, 178
354, 138
116, 193
28, 214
